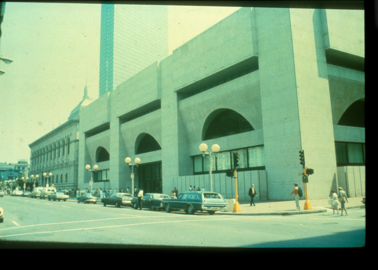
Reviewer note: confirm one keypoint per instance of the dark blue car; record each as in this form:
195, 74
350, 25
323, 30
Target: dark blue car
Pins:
192, 201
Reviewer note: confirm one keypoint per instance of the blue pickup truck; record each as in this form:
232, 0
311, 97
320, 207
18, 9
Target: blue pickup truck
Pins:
192, 201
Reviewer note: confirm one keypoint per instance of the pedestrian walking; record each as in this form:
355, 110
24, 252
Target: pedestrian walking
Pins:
252, 193
342, 197
135, 192
77, 193
190, 188
175, 191
296, 196
140, 199
128, 190
335, 202
173, 194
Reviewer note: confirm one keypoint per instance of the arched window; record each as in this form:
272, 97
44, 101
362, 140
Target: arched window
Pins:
102, 154
354, 116
147, 143
224, 122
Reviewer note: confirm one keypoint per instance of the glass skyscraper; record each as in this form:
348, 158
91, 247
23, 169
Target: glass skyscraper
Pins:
132, 38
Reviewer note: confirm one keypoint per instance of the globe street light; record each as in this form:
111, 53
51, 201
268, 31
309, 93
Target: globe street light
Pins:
88, 167
136, 162
215, 149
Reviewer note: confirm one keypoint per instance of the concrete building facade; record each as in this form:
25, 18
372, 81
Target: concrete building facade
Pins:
263, 82
132, 38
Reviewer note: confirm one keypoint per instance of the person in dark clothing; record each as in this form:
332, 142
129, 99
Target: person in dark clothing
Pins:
252, 193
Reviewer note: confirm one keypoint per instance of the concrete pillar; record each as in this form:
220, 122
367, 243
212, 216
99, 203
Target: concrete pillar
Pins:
295, 98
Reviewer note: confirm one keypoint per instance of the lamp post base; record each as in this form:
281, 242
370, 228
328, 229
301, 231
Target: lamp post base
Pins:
307, 205
236, 207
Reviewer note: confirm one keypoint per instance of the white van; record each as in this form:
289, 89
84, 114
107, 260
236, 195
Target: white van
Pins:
46, 192
36, 192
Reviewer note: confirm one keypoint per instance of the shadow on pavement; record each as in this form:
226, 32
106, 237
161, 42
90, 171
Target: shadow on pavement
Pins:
354, 239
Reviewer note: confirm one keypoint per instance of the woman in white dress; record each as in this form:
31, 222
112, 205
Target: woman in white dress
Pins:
335, 202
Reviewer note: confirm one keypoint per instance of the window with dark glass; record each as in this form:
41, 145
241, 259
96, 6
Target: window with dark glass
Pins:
350, 153
249, 158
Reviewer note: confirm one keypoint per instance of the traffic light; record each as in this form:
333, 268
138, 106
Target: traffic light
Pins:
301, 157
236, 160
309, 171
305, 179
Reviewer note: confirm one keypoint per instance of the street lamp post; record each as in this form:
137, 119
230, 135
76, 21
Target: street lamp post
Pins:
136, 162
88, 167
215, 149
47, 178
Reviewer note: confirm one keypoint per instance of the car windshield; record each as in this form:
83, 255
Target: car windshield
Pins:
211, 196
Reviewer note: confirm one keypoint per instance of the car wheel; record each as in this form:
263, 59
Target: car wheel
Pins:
135, 206
152, 208
65, 200
211, 212
78, 201
190, 210
168, 208
1, 220
104, 204
117, 204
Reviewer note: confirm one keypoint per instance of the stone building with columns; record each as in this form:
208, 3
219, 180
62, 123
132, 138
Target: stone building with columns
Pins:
57, 152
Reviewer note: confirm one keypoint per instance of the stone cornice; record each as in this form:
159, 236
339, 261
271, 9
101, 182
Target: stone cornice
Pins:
54, 132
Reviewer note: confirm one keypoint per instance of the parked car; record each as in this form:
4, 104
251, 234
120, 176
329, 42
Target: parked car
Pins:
1, 215
37, 192
2, 193
26, 194
118, 199
17, 192
151, 200
87, 198
192, 201
57, 196
46, 192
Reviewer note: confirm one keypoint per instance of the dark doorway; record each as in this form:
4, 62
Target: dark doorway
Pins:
150, 179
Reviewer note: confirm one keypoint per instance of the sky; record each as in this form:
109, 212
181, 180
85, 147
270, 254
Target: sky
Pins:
55, 50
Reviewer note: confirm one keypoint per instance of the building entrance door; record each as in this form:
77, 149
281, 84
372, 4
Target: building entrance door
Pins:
150, 179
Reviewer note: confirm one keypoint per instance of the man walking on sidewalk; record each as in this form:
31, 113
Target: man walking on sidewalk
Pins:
296, 196
252, 193
342, 199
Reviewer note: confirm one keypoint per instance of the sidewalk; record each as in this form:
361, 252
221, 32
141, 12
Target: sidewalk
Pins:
282, 207
288, 207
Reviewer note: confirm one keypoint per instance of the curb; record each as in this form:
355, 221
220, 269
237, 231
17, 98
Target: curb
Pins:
282, 213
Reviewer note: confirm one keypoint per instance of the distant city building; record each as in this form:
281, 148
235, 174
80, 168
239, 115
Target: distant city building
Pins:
11, 171
132, 38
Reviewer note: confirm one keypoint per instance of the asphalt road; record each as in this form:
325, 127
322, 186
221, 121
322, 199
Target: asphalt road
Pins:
44, 223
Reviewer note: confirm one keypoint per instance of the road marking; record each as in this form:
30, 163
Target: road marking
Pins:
106, 227
16, 223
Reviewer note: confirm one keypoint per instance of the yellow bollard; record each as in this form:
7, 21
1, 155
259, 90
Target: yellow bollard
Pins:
307, 204
236, 204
